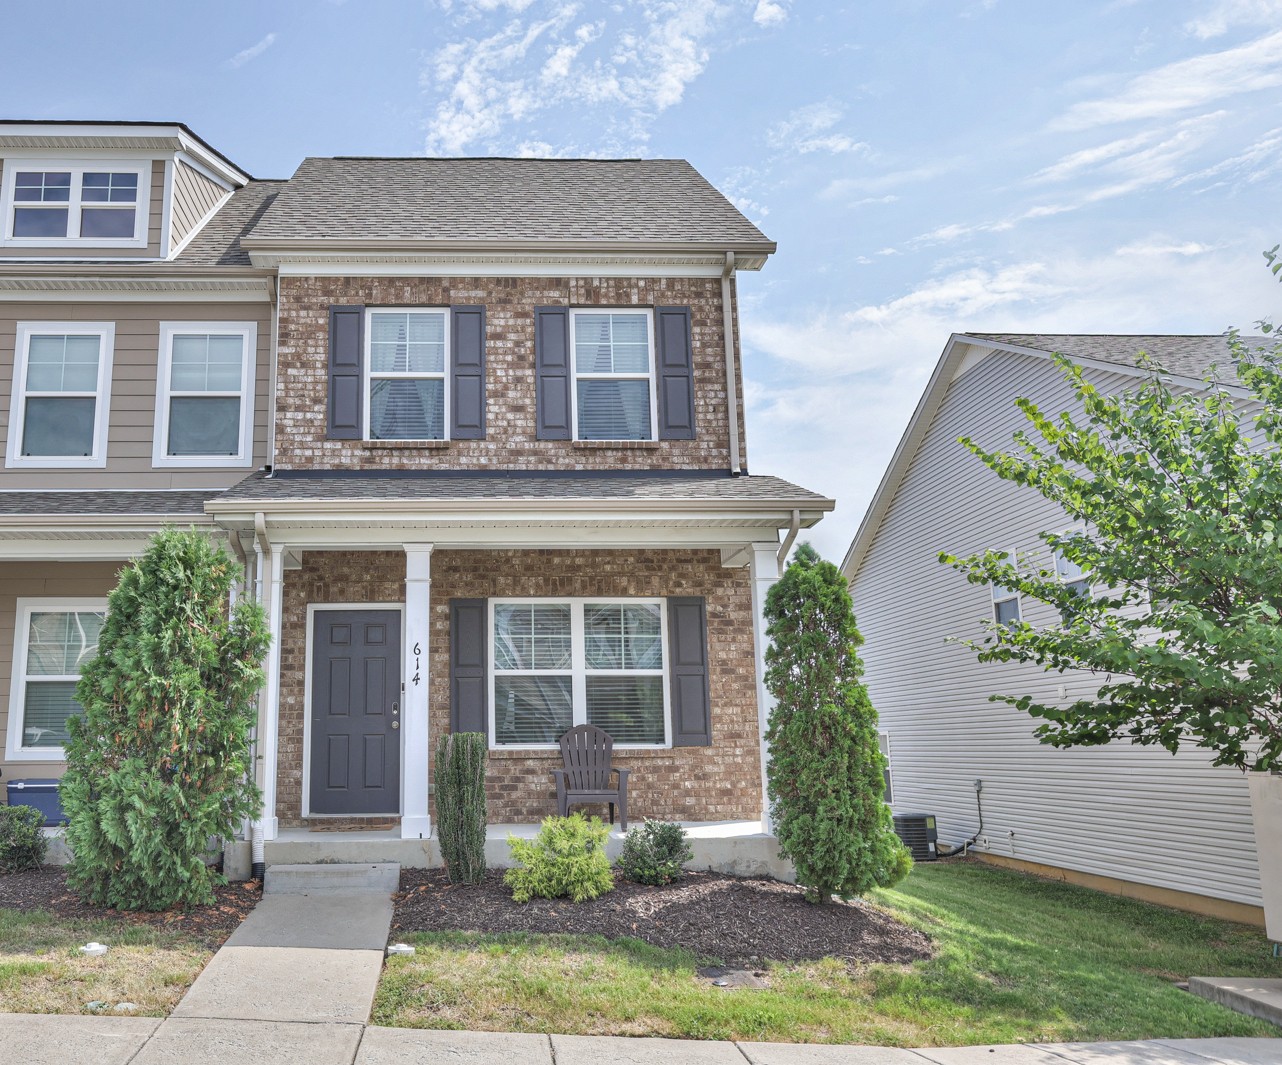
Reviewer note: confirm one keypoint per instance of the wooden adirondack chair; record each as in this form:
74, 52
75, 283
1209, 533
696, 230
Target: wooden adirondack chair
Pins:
585, 755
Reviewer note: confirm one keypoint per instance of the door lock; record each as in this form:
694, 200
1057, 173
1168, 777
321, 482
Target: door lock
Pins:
396, 724
396, 708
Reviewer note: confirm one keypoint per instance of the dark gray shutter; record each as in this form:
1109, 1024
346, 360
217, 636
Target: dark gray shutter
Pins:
469, 691
467, 369
552, 372
346, 350
688, 671
676, 373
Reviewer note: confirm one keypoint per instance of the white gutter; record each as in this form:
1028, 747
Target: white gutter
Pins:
732, 389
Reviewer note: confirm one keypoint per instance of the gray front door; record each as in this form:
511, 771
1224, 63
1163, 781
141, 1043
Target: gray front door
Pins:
356, 703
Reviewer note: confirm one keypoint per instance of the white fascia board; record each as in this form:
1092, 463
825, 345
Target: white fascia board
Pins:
955, 351
527, 510
111, 289
489, 266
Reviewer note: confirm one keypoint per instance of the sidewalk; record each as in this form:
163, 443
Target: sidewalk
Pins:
294, 986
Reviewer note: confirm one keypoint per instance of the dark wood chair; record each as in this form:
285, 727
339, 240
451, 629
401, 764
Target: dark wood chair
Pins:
585, 755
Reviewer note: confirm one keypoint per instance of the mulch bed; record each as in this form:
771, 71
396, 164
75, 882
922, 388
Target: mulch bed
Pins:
46, 889
735, 920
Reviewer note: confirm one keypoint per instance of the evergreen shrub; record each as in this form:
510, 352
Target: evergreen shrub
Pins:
460, 804
654, 853
566, 859
22, 843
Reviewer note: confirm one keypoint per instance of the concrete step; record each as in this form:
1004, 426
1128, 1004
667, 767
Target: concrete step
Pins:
1253, 996
332, 878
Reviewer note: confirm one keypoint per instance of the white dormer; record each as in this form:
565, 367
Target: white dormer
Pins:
103, 191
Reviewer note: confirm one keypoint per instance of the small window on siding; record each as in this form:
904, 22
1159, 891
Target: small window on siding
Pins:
406, 376
205, 394
48, 204
61, 388
557, 664
1005, 605
1070, 573
54, 640
613, 353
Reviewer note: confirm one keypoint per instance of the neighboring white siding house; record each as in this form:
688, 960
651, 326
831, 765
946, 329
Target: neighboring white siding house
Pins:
1134, 814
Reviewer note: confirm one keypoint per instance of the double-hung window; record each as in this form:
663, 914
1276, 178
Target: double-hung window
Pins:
406, 380
53, 641
205, 394
560, 663
613, 375
1073, 578
61, 388
89, 204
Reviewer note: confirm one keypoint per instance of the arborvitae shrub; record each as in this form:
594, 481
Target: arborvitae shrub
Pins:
825, 781
460, 804
22, 843
159, 763
655, 853
566, 858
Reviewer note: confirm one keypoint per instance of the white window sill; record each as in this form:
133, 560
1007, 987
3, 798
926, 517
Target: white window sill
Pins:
56, 462
36, 754
631, 444
201, 462
404, 445
552, 748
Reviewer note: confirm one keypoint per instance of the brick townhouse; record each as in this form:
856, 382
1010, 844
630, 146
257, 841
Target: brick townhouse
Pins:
474, 427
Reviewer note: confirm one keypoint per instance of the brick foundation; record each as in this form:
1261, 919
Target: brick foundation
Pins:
509, 350
721, 782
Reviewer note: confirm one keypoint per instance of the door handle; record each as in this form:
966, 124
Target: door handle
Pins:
396, 724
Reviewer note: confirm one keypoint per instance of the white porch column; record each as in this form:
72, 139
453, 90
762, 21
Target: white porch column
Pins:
416, 749
765, 572
269, 739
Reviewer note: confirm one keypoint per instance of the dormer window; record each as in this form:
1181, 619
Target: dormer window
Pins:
48, 204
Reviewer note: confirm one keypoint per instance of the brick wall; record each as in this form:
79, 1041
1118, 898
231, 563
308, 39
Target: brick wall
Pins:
721, 782
510, 418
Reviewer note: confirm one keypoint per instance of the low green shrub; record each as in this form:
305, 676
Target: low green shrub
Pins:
22, 844
460, 804
654, 853
566, 858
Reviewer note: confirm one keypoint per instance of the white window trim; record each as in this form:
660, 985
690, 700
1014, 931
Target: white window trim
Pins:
578, 674
244, 457
14, 749
1007, 595
106, 332
367, 376
883, 745
576, 376
77, 167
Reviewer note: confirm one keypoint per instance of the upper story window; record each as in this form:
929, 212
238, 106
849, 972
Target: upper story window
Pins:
48, 204
560, 663
53, 641
613, 375
61, 392
205, 394
406, 382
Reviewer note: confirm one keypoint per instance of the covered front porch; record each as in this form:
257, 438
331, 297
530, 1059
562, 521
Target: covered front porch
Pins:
398, 557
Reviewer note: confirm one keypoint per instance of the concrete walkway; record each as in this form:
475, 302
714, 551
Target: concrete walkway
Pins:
294, 986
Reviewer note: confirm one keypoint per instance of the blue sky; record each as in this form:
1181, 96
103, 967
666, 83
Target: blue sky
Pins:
926, 167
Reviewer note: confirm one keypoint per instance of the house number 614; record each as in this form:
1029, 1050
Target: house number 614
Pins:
418, 650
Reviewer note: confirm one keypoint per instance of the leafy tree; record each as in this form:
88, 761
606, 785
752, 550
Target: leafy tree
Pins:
159, 762
1178, 494
825, 779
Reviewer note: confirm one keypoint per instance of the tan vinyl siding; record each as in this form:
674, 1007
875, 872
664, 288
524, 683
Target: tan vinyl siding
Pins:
155, 231
133, 391
194, 197
1132, 813
32, 580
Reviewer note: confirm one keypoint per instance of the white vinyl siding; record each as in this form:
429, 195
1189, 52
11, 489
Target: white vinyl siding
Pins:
71, 203
613, 358
1133, 813
53, 640
60, 404
205, 394
560, 663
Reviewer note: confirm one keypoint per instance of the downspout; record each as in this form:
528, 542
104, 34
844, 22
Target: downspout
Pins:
786, 546
257, 849
732, 387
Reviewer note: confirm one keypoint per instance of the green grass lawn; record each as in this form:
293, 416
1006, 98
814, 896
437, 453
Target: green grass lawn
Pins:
1019, 959
43, 971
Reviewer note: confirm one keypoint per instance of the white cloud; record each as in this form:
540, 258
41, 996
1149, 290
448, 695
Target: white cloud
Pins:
1256, 162
252, 52
770, 13
810, 129
1182, 85
633, 62
1226, 14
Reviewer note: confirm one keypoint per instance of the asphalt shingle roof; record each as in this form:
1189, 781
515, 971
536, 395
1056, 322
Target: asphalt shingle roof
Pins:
710, 486
644, 200
218, 242
1186, 356
132, 504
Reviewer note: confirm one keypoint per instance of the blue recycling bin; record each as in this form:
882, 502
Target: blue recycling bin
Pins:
42, 793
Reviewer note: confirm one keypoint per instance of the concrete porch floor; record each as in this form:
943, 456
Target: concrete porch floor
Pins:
736, 847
